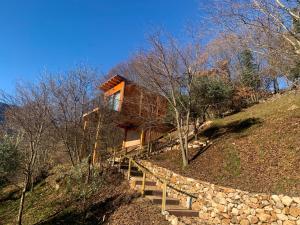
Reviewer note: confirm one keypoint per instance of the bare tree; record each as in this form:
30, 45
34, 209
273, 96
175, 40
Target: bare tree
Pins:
276, 17
169, 70
70, 94
29, 116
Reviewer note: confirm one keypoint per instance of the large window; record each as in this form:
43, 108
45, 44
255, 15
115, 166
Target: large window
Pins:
114, 101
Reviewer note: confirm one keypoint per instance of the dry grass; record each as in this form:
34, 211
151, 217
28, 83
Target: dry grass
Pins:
111, 202
257, 150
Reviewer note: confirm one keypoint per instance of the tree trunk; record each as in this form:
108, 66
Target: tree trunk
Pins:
182, 147
22, 200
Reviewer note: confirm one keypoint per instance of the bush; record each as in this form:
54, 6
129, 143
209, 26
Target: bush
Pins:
210, 92
9, 158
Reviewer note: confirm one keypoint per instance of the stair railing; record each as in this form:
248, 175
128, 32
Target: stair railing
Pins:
166, 184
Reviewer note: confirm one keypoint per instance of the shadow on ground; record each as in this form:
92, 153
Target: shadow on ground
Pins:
238, 126
96, 213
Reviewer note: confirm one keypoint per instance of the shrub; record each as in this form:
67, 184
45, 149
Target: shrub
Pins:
9, 158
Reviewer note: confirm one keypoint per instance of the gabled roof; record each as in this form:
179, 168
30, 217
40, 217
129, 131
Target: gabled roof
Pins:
112, 82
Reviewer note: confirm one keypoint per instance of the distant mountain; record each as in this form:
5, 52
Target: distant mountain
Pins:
3, 107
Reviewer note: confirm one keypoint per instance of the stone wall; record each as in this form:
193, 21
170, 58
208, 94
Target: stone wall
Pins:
221, 205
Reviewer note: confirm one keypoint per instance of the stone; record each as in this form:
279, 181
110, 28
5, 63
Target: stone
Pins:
263, 217
216, 221
294, 211
279, 205
244, 222
286, 200
282, 217
285, 211
297, 199
268, 208
254, 200
221, 208
225, 222
174, 221
235, 211
253, 219
287, 222
234, 220
276, 198
265, 203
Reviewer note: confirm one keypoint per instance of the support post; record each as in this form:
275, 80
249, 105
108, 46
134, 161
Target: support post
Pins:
120, 163
114, 158
164, 197
189, 202
129, 169
143, 183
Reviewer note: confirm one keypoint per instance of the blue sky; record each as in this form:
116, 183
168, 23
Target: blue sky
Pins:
55, 35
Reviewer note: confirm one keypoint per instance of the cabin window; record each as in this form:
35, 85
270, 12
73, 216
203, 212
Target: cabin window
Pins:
114, 101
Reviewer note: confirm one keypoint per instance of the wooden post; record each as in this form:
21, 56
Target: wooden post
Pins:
96, 153
189, 202
142, 137
143, 183
164, 197
129, 169
83, 149
120, 163
114, 157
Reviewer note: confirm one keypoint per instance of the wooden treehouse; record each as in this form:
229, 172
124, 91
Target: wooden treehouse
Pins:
139, 113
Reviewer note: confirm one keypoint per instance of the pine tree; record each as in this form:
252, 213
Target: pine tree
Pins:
249, 75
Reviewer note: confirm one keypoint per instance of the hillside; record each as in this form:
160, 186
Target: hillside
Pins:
257, 150
59, 200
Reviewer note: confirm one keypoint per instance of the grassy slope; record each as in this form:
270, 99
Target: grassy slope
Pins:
112, 203
256, 150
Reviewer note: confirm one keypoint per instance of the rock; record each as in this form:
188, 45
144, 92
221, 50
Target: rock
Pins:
234, 220
286, 200
264, 217
244, 222
174, 221
225, 222
265, 203
282, 217
279, 205
276, 198
253, 219
254, 200
216, 221
221, 208
297, 199
287, 222
294, 211
235, 211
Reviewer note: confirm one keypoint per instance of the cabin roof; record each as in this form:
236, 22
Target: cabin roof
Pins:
112, 82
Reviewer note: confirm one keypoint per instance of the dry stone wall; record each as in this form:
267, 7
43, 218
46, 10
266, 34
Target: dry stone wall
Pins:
222, 205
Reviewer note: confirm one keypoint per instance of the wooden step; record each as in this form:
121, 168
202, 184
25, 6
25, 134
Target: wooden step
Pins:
158, 200
151, 190
136, 174
139, 181
183, 212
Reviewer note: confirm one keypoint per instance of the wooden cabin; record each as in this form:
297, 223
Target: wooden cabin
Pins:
140, 112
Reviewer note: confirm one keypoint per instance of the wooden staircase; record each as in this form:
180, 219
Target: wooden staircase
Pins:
155, 194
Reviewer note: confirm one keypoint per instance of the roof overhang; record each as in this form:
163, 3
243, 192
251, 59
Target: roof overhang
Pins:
112, 82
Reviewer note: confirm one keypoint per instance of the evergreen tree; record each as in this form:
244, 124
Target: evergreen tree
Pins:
249, 75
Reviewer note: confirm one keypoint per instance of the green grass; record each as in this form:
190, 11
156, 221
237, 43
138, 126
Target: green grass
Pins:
257, 149
232, 164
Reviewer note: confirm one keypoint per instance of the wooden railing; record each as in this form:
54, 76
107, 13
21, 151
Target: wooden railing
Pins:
165, 183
